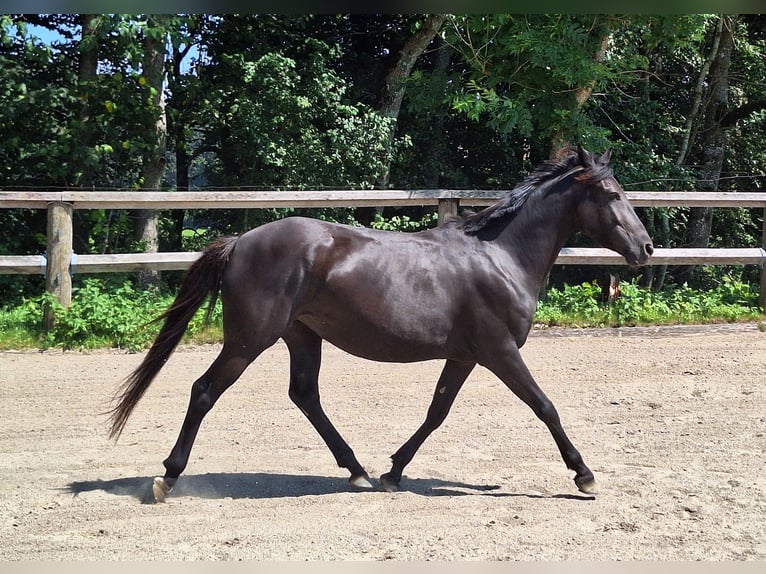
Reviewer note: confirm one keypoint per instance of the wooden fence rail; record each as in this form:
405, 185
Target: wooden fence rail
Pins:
60, 262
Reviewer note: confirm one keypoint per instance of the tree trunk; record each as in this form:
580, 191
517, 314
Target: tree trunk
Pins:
87, 71
177, 130
698, 92
432, 153
175, 240
713, 132
561, 138
394, 84
154, 160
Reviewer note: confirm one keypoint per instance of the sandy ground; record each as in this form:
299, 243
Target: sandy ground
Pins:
671, 421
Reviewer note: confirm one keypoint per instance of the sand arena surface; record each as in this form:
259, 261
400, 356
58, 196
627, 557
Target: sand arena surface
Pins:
671, 421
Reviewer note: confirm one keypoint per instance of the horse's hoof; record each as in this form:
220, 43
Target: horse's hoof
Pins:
389, 484
360, 481
160, 489
586, 484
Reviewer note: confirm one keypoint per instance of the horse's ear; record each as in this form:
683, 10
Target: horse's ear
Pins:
605, 157
586, 158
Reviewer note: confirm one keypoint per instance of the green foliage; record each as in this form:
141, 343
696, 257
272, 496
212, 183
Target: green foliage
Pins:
38, 140
20, 326
68, 131
571, 303
103, 315
99, 316
525, 69
281, 118
197, 239
289, 102
581, 305
404, 222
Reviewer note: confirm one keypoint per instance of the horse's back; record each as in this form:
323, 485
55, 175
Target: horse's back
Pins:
378, 294
299, 240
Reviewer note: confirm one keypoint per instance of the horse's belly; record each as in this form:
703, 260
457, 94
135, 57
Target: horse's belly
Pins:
364, 340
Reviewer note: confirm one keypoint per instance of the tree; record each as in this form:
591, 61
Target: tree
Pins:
673, 130
360, 100
155, 37
87, 72
394, 84
713, 133
39, 149
276, 114
180, 113
532, 74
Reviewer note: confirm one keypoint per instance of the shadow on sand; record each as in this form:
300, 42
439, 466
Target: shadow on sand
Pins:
219, 485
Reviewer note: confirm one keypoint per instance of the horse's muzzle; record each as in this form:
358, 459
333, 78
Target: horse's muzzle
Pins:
646, 252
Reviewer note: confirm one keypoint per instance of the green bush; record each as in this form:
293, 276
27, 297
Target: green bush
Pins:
105, 314
99, 316
404, 222
580, 305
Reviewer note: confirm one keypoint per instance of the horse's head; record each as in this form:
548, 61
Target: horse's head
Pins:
606, 216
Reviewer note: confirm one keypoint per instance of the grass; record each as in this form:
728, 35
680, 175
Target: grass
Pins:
579, 306
108, 316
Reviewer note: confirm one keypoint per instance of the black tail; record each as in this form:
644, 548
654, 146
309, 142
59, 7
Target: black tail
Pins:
202, 280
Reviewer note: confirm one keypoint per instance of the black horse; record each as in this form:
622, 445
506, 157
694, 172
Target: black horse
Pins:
465, 292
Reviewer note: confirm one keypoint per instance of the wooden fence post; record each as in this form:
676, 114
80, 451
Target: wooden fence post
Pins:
58, 278
762, 298
447, 209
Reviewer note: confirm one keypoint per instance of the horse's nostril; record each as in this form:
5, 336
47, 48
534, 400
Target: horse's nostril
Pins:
649, 248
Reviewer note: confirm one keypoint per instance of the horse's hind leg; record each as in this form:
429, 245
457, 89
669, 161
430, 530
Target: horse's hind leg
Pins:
305, 358
450, 382
206, 390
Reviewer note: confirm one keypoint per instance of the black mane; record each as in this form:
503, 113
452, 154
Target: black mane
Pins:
545, 177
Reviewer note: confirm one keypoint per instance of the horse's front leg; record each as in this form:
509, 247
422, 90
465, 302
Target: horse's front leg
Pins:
509, 366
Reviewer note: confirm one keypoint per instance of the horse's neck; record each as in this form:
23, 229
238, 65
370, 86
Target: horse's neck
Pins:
537, 234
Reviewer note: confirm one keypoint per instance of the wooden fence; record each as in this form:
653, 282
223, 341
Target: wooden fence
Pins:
59, 261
